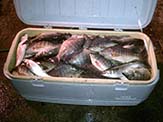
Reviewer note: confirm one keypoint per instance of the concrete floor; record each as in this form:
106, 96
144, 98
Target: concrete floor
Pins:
15, 108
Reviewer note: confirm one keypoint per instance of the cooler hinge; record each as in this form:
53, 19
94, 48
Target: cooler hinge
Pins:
48, 26
82, 28
118, 29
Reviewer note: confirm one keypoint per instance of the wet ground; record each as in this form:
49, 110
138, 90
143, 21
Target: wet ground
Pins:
14, 108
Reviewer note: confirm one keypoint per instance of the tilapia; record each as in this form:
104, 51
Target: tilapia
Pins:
100, 43
135, 70
22, 70
100, 62
42, 48
120, 54
65, 70
53, 37
35, 68
70, 46
80, 59
21, 49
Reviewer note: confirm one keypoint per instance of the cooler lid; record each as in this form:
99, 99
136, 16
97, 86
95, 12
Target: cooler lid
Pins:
107, 14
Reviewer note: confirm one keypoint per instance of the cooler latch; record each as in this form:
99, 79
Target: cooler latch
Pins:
121, 87
118, 29
37, 83
82, 28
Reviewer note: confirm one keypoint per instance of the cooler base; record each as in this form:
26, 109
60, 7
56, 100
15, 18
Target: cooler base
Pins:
84, 102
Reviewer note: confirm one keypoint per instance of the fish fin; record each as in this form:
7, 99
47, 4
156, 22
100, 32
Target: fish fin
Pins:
123, 77
40, 53
25, 42
58, 58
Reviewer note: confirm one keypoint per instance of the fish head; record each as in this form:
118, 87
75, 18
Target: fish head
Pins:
28, 63
109, 52
111, 74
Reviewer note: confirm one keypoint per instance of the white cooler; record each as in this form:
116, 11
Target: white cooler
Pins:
118, 15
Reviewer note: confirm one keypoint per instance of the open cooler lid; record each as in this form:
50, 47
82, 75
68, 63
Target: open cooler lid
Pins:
113, 14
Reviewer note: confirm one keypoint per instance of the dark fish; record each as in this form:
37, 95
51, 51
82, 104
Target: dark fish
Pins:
46, 65
21, 49
100, 43
135, 45
42, 48
135, 70
65, 70
70, 46
100, 62
53, 37
140, 73
90, 71
120, 54
80, 59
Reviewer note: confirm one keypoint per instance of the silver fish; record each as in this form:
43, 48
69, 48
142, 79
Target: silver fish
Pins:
21, 49
70, 46
128, 70
42, 48
100, 62
65, 70
100, 43
22, 70
53, 37
120, 54
35, 68
80, 59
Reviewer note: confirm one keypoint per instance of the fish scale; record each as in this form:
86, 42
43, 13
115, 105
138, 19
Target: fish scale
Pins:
42, 48
41, 44
72, 45
80, 59
100, 43
120, 54
53, 37
100, 62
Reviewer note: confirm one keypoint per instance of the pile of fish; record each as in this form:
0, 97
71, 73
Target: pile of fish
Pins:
54, 54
